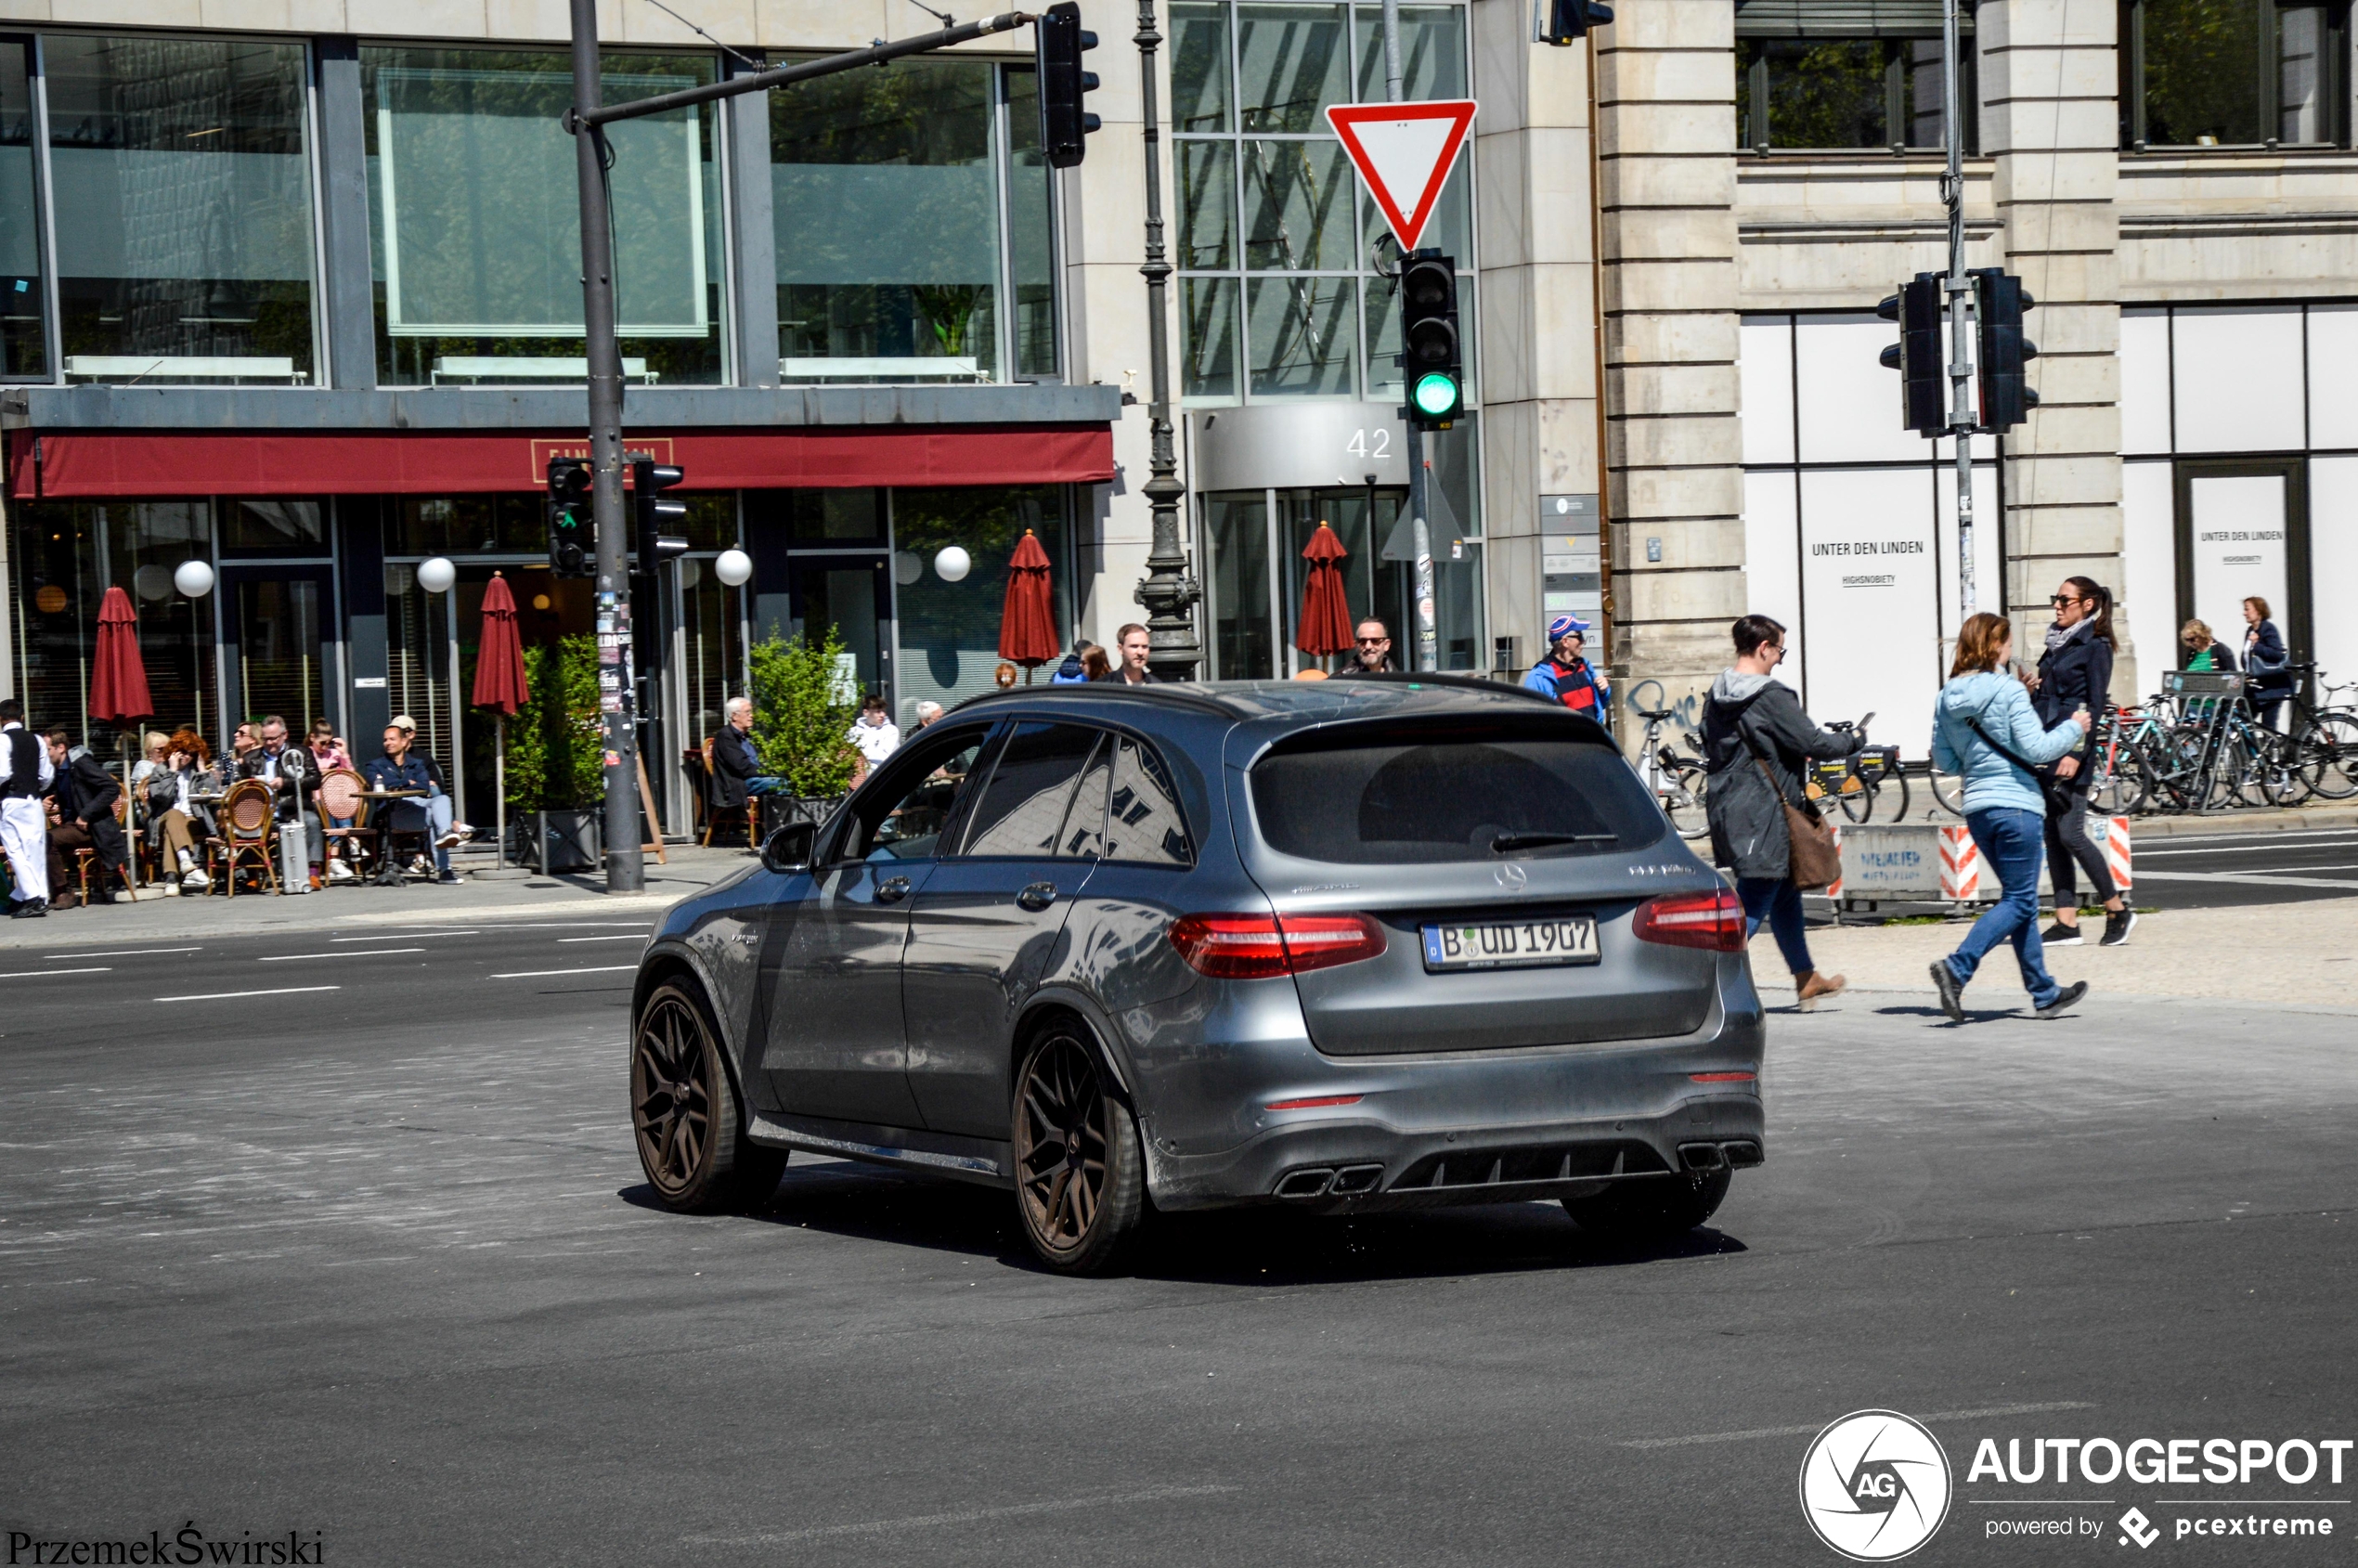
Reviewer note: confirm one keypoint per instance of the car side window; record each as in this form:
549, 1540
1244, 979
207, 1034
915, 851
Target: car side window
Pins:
1084, 834
1143, 821
906, 819
1023, 806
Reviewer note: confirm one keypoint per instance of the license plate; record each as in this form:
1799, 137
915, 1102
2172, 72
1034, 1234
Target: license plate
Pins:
1515, 944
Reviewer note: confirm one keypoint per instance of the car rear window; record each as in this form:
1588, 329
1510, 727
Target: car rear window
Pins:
1393, 795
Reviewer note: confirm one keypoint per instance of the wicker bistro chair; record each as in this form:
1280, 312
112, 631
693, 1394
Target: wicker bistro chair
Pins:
249, 826
338, 795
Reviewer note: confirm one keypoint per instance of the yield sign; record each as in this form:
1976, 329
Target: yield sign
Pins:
1404, 152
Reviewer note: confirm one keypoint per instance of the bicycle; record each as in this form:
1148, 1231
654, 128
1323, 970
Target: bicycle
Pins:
1857, 782
2324, 738
1677, 781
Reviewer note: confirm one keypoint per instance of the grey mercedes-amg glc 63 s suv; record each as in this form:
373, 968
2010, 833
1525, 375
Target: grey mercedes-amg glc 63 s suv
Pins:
1350, 945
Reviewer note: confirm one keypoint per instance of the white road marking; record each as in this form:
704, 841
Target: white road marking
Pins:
404, 936
130, 953
964, 1516
357, 953
2250, 845
536, 974
626, 937
2243, 877
36, 973
232, 995
1811, 1431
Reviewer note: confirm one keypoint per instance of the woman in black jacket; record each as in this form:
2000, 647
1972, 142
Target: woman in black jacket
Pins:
2076, 672
2265, 662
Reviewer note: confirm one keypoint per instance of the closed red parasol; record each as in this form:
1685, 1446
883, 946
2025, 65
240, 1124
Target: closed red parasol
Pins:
118, 679
1028, 623
500, 686
1326, 610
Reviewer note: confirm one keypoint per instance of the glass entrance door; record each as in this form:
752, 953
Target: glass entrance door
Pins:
849, 592
2243, 532
283, 645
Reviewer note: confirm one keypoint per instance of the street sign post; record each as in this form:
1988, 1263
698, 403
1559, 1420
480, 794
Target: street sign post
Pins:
1405, 152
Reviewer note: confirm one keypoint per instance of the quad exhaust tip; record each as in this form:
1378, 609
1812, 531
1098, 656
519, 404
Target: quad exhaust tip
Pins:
1355, 1179
1312, 1183
1741, 1154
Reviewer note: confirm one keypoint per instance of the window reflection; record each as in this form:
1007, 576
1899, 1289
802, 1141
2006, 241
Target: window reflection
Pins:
183, 209
1304, 335
23, 352
1292, 62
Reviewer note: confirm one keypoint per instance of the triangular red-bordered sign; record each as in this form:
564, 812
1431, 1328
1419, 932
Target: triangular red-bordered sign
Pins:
1404, 152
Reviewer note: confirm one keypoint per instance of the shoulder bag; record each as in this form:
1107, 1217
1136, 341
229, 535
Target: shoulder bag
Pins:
1814, 860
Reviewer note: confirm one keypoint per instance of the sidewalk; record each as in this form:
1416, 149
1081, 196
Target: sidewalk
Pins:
2302, 956
157, 916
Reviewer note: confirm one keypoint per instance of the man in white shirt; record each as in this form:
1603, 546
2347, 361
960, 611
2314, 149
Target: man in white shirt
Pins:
25, 775
876, 734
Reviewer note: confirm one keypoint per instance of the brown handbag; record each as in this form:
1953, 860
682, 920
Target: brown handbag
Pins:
1814, 860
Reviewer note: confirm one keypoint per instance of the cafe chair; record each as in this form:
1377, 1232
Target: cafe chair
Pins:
339, 796
249, 826
85, 855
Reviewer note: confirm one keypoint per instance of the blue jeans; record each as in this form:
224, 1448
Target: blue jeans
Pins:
1777, 900
2012, 843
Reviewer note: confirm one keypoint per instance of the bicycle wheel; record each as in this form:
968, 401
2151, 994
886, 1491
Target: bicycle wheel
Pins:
2281, 774
1948, 792
1897, 782
1858, 805
2327, 754
1683, 802
2123, 789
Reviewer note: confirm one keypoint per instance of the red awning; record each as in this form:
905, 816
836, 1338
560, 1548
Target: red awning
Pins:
162, 464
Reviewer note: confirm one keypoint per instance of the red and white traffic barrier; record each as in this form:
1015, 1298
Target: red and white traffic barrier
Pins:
1959, 864
1834, 889
2115, 844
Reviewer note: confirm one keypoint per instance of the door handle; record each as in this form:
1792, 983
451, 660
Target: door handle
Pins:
892, 890
1037, 897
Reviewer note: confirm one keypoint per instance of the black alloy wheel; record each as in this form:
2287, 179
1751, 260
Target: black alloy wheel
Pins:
1080, 1177
684, 1114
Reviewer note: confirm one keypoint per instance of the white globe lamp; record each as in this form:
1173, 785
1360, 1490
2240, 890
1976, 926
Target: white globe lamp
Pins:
435, 573
952, 565
733, 567
193, 578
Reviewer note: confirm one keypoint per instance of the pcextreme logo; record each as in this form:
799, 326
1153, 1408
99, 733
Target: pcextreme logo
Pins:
1874, 1485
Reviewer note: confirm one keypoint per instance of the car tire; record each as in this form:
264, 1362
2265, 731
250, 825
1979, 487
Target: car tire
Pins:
1651, 1209
1081, 1181
684, 1115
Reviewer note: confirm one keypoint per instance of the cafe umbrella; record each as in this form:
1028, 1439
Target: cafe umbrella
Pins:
500, 684
1325, 609
1027, 622
118, 694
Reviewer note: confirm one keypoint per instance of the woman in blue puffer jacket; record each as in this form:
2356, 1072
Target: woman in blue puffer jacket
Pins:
1984, 729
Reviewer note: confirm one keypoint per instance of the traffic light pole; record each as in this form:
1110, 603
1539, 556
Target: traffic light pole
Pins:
626, 868
1419, 441
1959, 288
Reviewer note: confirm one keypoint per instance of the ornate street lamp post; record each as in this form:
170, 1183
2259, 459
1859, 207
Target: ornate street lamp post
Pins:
1168, 591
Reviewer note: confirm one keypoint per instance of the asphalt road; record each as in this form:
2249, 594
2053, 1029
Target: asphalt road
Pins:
376, 1262
2214, 871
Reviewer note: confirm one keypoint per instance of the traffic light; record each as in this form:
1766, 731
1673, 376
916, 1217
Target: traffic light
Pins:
1430, 359
1569, 20
1917, 354
1063, 123
1998, 303
650, 510
572, 534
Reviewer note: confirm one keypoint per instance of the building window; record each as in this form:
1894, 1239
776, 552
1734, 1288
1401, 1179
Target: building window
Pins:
2234, 73
1278, 298
182, 206
1810, 77
474, 226
24, 351
914, 217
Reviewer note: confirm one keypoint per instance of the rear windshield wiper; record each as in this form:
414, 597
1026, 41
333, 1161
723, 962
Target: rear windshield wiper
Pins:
1507, 841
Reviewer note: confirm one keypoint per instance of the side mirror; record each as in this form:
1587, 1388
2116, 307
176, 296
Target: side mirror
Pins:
789, 849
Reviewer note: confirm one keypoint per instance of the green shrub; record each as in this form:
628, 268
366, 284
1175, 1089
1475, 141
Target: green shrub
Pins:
556, 743
801, 716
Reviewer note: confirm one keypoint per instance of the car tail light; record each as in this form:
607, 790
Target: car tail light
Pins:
1723, 1077
1714, 920
1258, 947
1315, 1102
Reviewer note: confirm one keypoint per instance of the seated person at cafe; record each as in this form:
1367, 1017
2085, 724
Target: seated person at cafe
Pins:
400, 768
82, 801
177, 821
293, 777
735, 767
441, 810
328, 750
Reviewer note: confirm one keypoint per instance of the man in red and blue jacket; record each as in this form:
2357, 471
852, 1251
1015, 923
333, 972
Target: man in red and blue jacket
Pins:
1567, 677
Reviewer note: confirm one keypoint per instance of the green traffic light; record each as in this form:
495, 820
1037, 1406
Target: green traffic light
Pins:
1435, 394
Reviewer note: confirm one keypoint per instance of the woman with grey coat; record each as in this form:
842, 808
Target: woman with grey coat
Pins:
1752, 720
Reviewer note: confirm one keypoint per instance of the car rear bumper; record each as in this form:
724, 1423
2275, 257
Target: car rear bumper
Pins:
1464, 1127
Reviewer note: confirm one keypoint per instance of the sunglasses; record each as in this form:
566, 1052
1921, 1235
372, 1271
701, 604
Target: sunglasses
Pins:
2067, 599
1375, 639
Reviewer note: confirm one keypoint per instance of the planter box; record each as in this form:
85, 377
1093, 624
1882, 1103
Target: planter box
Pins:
777, 810
566, 841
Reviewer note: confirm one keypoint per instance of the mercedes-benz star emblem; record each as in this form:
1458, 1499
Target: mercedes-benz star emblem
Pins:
1511, 877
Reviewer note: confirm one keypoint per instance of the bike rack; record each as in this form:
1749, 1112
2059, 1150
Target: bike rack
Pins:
2213, 698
